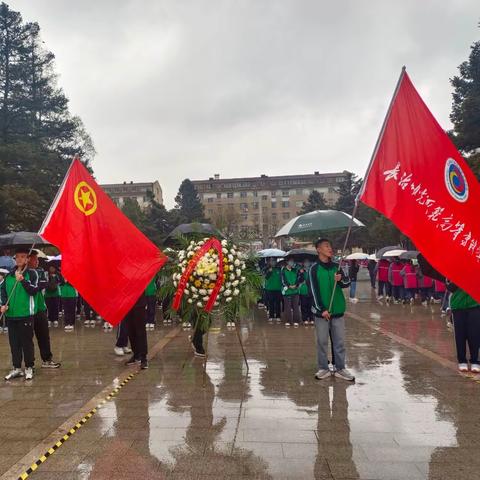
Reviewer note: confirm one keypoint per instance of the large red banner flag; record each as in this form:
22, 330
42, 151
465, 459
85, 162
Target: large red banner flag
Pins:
419, 180
104, 256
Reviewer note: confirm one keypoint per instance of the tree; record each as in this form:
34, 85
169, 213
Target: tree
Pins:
132, 210
159, 222
188, 204
38, 135
347, 193
315, 201
227, 221
465, 114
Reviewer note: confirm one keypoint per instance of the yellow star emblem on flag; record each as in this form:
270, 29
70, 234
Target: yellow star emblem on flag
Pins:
85, 198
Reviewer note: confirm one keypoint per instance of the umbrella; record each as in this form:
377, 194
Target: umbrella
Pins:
316, 221
193, 228
56, 258
357, 256
373, 256
4, 271
39, 253
21, 239
383, 250
393, 253
302, 252
410, 255
271, 253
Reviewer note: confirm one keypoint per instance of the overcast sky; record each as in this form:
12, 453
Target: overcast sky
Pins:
176, 89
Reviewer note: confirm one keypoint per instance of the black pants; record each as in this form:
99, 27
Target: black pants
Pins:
87, 310
20, 336
137, 332
69, 310
151, 304
306, 308
122, 335
167, 300
274, 303
40, 327
53, 307
466, 323
78, 305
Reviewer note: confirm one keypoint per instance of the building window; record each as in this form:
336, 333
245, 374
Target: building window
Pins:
219, 195
255, 194
285, 193
299, 204
230, 195
299, 192
286, 215
273, 193
244, 217
264, 197
274, 204
243, 194
210, 200
286, 204
274, 216
244, 207
255, 205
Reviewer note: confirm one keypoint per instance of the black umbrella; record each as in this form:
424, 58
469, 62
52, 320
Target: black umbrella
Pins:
302, 252
21, 239
186, 229
411, 254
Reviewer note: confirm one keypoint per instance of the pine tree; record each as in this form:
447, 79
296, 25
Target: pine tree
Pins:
347, 193
465, 114
315, 201
188, 204
38, 135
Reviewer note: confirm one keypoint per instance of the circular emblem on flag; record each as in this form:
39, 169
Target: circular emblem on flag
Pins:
85, 198
456, 181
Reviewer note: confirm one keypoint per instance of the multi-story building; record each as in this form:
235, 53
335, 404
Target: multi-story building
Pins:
261, 205
143, 193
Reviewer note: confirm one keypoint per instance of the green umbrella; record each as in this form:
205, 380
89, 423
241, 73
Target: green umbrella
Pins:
317, 221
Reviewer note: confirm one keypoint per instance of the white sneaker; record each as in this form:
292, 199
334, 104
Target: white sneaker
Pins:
380, 297
475, 368
127, 350
353, 300
28, 373
295, 324
55, 323
463, 367
105, 326
5, 329
270, 320
14, 373
322, 374
119, 351
287, 324
344, 374
86, 323
279, 319
425, 303
49, 324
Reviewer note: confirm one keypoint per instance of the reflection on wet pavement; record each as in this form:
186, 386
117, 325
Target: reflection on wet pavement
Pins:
407, 417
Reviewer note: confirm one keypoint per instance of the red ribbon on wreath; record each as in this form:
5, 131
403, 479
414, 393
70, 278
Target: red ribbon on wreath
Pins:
182, 284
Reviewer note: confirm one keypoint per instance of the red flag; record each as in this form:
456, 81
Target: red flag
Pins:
104, 256
419, 180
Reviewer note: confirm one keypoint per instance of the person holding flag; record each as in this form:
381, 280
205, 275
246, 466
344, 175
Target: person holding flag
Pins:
329, 308
17, 302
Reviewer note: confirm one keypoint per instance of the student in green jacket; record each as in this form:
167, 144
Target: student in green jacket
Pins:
69, 303
273, 290
17, 302
324, 279
291, 279
466, 323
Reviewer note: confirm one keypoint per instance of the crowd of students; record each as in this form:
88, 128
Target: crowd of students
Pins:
400, 281
35, 298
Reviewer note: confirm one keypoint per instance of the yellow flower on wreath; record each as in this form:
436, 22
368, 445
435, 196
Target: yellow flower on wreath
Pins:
198, 283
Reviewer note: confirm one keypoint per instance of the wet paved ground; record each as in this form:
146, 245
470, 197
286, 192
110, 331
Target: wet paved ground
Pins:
409, 416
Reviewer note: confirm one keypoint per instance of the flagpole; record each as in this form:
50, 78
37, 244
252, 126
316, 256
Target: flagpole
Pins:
57, 197
364, 181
